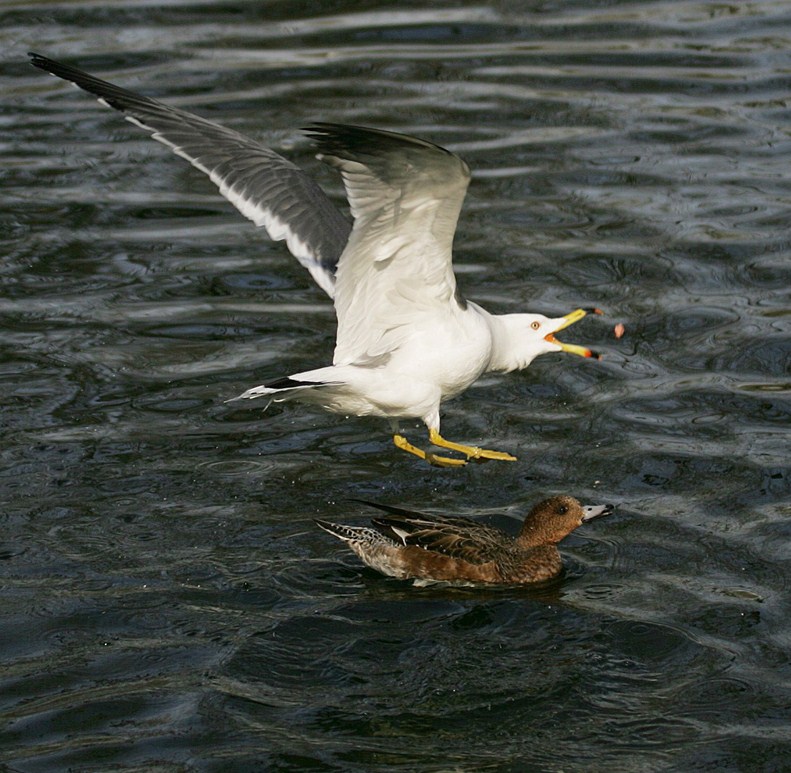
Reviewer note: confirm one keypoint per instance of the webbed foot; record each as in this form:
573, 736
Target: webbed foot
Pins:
471, 452
438, 461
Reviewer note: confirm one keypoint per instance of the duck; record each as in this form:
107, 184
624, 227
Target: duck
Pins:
461, 551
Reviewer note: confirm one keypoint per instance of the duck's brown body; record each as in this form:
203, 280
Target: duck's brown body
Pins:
435, 548
533, 565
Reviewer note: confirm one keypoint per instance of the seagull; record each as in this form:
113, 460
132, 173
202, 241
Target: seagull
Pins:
406, 338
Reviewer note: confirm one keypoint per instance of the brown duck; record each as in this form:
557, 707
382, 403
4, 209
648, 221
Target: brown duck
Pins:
438, 548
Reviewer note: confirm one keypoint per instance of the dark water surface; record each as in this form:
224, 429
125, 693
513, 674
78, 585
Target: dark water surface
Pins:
167, 603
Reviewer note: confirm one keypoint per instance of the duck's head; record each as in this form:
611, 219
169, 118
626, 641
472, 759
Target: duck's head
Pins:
555, 518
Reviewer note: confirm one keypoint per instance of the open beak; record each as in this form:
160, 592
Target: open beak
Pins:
570, 319
596, 511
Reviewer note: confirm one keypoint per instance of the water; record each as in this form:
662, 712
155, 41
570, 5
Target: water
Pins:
167, 602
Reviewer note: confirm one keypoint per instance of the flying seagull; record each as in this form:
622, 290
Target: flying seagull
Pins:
406, 338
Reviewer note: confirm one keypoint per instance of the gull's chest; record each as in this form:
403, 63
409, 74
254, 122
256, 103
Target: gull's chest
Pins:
451, 351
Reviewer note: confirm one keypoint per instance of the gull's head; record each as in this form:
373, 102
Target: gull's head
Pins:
531, 335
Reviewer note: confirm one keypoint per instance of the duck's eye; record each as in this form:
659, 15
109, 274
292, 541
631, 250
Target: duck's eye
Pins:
535, 325
562, 510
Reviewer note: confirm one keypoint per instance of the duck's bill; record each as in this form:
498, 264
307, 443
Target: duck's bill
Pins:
570, 319
596, 511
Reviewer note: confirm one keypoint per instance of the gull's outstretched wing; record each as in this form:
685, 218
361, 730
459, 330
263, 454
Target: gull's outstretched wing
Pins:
405, 195
263, 186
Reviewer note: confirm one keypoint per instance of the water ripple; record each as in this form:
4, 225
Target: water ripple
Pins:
166, 596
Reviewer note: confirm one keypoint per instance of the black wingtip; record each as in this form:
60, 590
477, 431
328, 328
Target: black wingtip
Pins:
112, 95
37, 60
343, 139
45, 63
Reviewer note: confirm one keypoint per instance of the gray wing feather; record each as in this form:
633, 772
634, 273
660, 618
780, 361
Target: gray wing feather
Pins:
405, 196
262, 185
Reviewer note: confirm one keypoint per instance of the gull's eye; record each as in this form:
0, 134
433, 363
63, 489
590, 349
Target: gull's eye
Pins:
562, 510
535, 325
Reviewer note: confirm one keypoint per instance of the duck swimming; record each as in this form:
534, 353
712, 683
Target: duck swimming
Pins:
436, 548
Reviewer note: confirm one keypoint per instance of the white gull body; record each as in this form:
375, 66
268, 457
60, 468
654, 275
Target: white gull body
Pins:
406, 339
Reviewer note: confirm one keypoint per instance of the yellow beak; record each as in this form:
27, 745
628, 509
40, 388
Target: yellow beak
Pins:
570, 319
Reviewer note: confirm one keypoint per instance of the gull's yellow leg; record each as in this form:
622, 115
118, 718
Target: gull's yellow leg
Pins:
438, 461
472, 452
